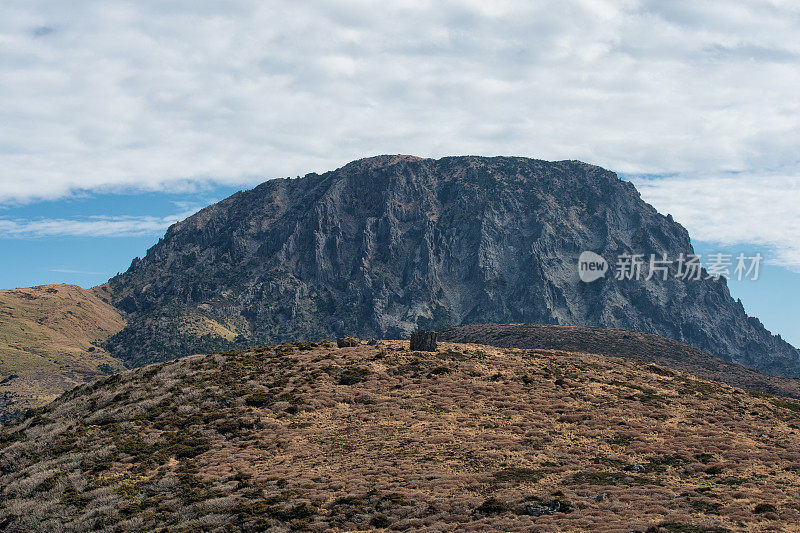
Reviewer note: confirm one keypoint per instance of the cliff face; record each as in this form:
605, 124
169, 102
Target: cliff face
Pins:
388, 244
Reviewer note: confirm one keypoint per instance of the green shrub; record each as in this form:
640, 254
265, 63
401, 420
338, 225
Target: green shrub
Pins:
380, 521
354, 375
187, 445
705, 507
493, 506
518, 474
762, 508
678, 527
348, 500
609, 478
260, 399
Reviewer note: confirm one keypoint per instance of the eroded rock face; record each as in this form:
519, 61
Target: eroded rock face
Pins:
387, 245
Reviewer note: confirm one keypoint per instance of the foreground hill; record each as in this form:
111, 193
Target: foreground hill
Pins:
623, 343
386, 245
51, 339
316, 438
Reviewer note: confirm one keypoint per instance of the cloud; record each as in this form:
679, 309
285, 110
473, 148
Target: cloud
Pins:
734, 210
108, 96
42, 31
150, 95
71, 271
93, 226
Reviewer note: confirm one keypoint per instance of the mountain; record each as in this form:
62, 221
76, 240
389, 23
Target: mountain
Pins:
623, 343
388, 244
311, 437
51, 339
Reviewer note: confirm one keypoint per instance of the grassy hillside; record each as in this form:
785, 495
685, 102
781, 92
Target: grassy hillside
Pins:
50, 339
313, 437
624, 343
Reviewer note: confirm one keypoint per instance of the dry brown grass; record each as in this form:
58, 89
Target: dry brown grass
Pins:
470, 438
50, 339
624, 343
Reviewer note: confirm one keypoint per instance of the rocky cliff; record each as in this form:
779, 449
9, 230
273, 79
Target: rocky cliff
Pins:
388, 244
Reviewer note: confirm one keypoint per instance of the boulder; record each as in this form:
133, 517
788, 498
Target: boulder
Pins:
423, 341
347, 342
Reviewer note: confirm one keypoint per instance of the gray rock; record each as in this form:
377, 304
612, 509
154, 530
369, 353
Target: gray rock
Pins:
634, 468
388, 245
547, 508
346, 342
424, 341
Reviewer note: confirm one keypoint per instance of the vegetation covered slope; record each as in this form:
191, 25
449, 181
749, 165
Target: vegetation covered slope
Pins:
389, 244
313, 437
51, 339
623, 343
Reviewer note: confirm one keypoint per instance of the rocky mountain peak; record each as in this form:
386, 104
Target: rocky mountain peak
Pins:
389, 244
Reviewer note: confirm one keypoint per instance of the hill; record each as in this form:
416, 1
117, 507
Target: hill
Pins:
311, 437
51, 339
389, 244
623, 343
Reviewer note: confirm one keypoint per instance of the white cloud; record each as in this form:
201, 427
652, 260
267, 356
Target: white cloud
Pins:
93, 226
734, 210
151, 95
71, 271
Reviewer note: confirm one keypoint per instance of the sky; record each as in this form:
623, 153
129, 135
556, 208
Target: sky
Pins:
119, 118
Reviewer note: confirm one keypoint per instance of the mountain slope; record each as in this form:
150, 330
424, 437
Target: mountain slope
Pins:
623, 343
388, 244
470, 438
50, 341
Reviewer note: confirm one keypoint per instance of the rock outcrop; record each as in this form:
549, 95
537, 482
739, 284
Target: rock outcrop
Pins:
424, 341
387, 245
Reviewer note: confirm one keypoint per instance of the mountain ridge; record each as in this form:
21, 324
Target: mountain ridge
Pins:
385, 245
